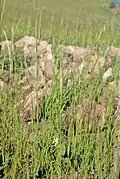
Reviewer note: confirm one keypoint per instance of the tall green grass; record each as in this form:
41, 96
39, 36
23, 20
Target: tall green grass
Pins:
48, 147
87, 18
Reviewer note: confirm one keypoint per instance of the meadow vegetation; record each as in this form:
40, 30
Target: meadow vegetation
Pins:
75, 131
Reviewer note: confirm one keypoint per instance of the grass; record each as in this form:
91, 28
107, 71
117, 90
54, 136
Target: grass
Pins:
45, 17
59, 149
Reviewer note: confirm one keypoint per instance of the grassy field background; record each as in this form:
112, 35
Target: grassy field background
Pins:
87, 18
54, 152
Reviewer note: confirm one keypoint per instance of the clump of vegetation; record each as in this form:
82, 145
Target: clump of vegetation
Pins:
112, 5
76, 132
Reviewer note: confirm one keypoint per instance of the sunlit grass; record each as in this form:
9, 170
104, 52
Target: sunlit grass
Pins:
52, 148
87, 17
